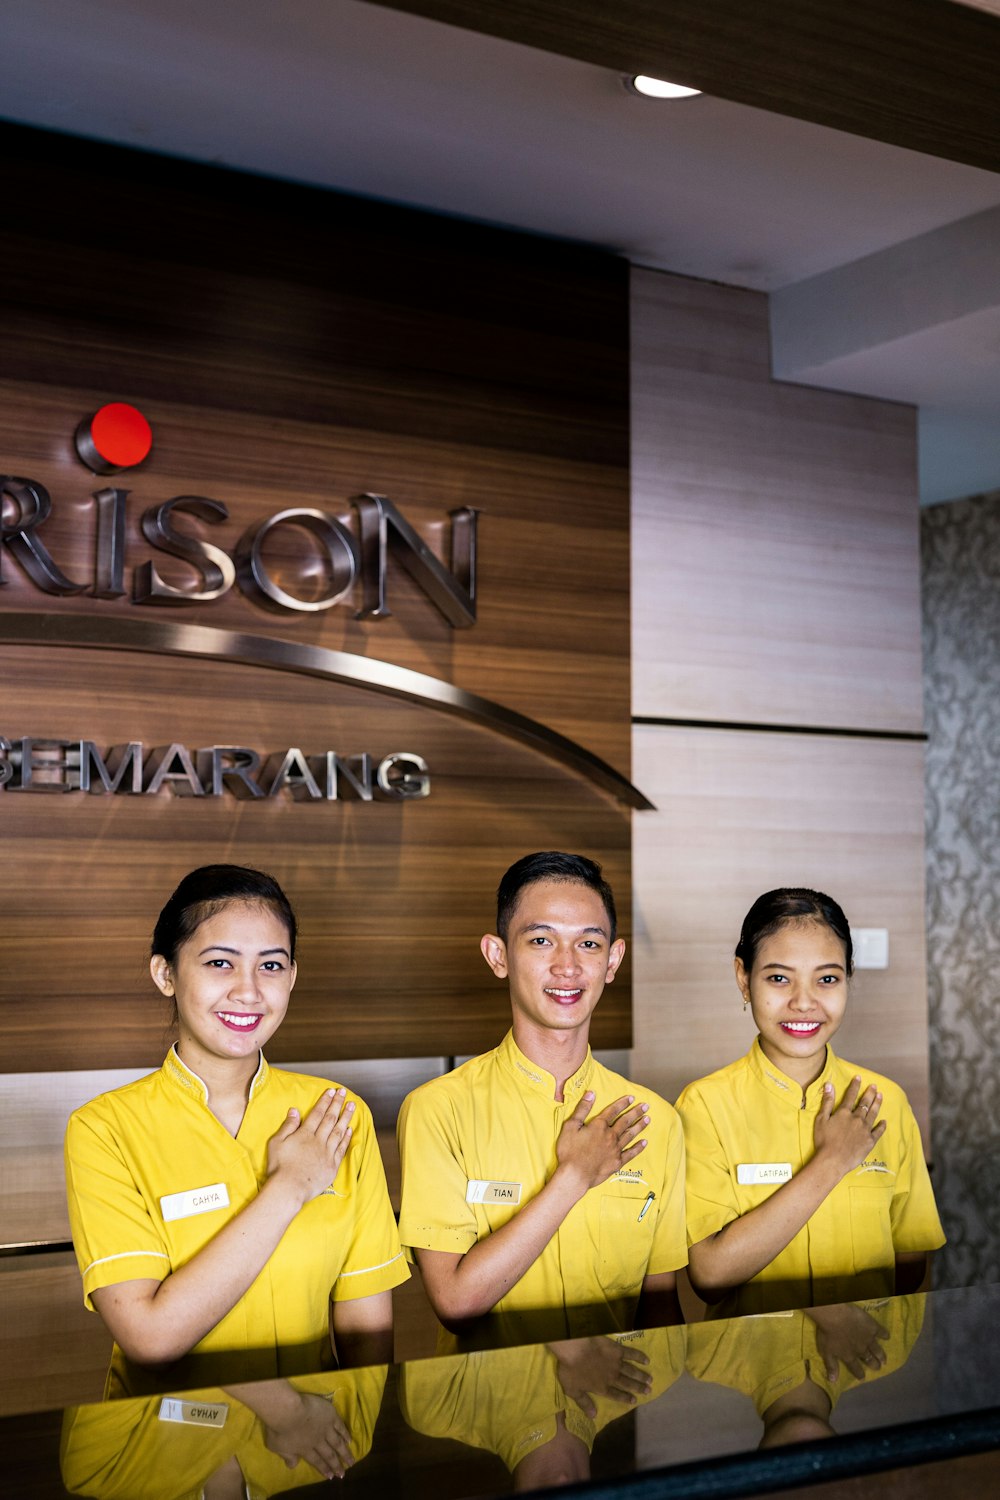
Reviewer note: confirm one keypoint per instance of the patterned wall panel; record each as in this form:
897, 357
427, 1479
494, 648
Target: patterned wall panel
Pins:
961, 580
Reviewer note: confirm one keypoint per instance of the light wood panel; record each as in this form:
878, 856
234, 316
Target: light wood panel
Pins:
775, 562
742, 813
295, 348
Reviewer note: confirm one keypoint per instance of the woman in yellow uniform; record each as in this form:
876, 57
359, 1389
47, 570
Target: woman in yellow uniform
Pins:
219, 1205
806, 1180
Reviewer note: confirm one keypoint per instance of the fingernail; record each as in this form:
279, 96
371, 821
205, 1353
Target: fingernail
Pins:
828, 1088
350, 1107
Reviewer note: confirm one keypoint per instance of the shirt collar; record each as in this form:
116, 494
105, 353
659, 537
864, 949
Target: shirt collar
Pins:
780, 1086
177, 1072
536, 1077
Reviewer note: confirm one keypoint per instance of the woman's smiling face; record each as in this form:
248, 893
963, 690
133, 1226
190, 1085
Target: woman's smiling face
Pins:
231, 981
798, 992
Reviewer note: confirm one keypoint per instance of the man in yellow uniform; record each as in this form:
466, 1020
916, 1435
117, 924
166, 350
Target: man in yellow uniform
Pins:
541, 1408
543, 1195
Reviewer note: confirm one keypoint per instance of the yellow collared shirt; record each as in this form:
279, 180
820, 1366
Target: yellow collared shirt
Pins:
152, 1176
479, 1143
507, 1400
775, 1353
168, 1447
751, 1115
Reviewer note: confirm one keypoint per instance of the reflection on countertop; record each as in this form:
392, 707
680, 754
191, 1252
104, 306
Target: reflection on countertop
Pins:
780, 1399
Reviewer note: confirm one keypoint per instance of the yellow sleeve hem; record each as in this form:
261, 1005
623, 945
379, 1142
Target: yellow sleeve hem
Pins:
352, 1285
128, 1265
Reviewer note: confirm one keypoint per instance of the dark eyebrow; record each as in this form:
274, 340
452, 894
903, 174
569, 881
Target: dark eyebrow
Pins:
221, 948
788, 968
547, 927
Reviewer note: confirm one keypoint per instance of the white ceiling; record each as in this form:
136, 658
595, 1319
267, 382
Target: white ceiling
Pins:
343, 94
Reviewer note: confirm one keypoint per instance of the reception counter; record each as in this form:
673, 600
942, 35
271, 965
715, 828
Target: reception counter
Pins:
739, 1407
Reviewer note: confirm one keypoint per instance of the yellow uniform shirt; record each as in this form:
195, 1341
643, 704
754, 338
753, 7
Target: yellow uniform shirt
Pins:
506, 1401
168, 1447
777, 1352
751, 1116
479, 1143
152, 1177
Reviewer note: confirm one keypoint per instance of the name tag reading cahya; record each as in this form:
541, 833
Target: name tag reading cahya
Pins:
480, 1190
755, 1173
202, 1200
193, 1413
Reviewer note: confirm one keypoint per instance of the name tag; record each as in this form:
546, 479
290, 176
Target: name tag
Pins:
753, 1173
480, 1190
196, 1201
194, 1413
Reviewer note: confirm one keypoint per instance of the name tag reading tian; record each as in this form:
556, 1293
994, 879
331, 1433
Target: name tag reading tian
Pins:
480, 1190
202, 1200
754, 1173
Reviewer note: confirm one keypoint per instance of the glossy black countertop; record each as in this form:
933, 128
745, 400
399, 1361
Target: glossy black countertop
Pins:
722, 1408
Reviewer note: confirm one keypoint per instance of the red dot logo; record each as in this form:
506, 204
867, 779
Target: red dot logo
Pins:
115, 437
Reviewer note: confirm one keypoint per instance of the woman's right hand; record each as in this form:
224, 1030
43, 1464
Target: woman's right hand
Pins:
845, 1135
306, 1154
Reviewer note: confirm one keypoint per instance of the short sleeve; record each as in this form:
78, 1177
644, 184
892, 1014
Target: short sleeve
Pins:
114, 1235
669, 1250
916, 1226
434, 1213
374, 1260
711, 1197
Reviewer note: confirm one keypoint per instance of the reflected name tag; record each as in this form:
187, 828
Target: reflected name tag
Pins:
202, 1200
753, 1173
480, 1190
194, 1413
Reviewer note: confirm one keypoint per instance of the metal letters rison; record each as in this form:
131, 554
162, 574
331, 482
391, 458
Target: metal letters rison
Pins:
350, 560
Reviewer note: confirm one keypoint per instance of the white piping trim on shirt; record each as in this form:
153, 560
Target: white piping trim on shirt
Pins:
367, 1270
124, 1255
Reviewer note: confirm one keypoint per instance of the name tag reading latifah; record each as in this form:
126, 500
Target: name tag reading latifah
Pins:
193, 1413
202, 1200
480, 1190
755, 1173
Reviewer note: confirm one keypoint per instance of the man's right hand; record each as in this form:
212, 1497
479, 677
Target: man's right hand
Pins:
591, 1150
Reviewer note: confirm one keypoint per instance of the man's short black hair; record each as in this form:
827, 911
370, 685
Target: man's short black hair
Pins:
551, 865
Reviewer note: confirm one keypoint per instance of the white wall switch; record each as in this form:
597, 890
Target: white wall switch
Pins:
871, 947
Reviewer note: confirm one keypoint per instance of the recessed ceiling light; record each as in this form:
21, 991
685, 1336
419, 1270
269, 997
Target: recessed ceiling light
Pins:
658, 88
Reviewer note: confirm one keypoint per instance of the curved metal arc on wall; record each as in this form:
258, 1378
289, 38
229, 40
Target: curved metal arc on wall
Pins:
209, 643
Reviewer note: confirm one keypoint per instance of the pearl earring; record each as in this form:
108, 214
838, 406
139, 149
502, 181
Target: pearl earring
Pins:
746, 1002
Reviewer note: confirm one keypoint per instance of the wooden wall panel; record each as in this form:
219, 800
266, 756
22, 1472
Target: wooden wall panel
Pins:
739, 814
294, 348
775, 571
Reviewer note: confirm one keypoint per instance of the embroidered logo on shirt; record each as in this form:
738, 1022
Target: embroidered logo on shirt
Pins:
627, 1174
204, 1200
874, 1166
194, 1413
755, 1173
481, 1190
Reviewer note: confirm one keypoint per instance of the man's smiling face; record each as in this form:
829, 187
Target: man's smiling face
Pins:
558, 956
